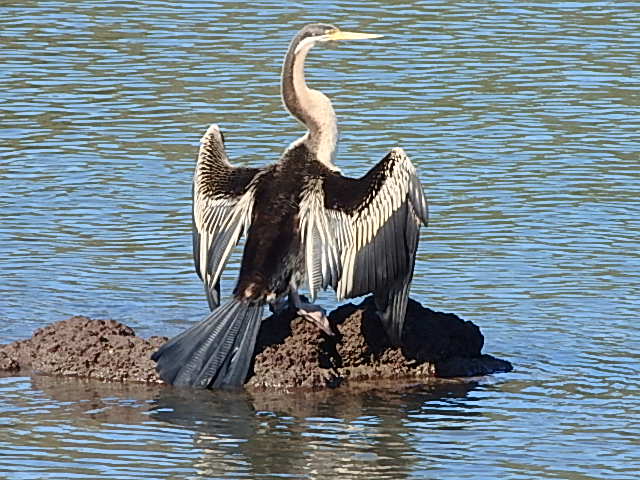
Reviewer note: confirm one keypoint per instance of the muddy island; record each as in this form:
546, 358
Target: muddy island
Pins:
291, 353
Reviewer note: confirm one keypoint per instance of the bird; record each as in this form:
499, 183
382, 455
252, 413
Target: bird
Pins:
304, 224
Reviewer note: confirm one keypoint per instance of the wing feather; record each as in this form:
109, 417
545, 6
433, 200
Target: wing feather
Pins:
360, 235
222, 206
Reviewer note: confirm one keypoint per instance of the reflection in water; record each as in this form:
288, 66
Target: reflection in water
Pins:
319, 433
101, 402
156, 430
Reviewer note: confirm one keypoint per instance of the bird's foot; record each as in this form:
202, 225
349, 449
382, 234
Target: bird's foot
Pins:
316, 315
279, 306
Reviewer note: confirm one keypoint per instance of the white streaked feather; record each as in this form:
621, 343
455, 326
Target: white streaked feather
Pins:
219, 220
345, 237
220, 223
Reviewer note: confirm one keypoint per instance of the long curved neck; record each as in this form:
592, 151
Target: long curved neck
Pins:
310, 107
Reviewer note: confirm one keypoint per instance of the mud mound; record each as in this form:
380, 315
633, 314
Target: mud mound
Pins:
82, 347
291, 353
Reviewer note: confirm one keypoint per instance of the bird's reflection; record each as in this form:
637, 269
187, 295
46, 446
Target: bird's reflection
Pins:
357, 433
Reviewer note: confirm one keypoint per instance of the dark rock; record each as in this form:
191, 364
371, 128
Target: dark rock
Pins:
471, 366
291, 353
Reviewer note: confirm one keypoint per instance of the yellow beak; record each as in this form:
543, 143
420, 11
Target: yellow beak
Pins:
340, 35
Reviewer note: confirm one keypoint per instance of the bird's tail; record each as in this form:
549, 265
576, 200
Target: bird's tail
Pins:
214, 353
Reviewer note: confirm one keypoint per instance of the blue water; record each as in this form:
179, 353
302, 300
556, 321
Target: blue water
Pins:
523, 121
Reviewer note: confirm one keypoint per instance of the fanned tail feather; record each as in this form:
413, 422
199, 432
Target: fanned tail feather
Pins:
214, 353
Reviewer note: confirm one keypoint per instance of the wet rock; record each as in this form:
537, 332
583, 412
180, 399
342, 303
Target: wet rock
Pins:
291, 353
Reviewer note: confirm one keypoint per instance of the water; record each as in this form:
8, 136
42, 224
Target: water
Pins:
523, 120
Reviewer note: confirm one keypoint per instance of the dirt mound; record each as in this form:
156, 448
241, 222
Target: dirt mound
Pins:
290, 354
82, 347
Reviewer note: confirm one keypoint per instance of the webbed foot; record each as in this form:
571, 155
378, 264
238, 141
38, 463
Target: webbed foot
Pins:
316, 315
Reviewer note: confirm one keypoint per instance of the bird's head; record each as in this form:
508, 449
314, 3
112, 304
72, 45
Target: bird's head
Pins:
313, 33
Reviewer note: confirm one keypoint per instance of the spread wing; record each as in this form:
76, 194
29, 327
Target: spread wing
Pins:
360, 235
222, 204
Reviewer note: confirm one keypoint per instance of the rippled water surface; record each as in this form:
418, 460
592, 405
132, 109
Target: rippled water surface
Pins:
524, 122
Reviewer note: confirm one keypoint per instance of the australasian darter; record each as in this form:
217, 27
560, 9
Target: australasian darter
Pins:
304, 223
